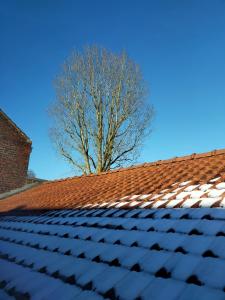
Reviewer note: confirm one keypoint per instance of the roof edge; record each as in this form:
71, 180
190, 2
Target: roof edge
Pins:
18, 190
28, 140
155, 163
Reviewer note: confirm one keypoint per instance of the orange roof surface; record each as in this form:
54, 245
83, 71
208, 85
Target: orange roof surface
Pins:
83, 242
190, 181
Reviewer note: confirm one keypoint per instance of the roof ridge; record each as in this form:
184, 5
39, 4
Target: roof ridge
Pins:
15, 126
148, 164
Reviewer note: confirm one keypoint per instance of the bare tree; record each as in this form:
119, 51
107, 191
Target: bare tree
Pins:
101, 113
31, 174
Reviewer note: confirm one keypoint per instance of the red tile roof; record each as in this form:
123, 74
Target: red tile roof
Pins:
90, 246
189, 181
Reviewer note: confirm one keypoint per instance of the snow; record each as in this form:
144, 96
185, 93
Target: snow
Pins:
134, 203
121, 204
182, 195
191, 188
112, 204
62, 291
134, 197
131, 286
218, 247
5, 296
160, 289
154, 260
40, 285
155, 197
212, 272
195, 292
213, 193
147, 203
108, 278
168, 196
205, 187
220, 186
214, 179
88, 295
173, 203
184, 183
207, 202
158, 203
189, 202
197, 245
144, 196
131, 246
196, 194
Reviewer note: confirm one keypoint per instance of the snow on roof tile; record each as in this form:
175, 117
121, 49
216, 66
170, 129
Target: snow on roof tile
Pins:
76, 254
194, 176
154, 231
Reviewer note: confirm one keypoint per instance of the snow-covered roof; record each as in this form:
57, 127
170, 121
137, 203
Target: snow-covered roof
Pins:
155, 231
197, 180
114, 254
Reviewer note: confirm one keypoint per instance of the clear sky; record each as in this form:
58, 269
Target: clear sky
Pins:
180, 46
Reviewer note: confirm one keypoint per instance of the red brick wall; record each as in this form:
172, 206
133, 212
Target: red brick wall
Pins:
14, 157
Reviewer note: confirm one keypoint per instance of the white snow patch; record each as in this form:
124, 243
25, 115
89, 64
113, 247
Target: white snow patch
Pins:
220, 186
144, 196
86, 205
134, 203
190, 202
167, 196
190, 188
208, 202
121, 204
182, 195
184, 183
173, 203
177, 189
163, 191
103, 204
145, 204
215, 193
205, 187
134, 197
125, 197
112, 204
197, 194
158, 203
215, 179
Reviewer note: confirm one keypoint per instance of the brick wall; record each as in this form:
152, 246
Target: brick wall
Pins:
14, 157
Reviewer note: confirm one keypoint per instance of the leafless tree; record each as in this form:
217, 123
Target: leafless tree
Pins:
31, 174
101, 113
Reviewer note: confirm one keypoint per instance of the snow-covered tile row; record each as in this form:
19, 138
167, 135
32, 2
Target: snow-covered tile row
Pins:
114, 253
183, 194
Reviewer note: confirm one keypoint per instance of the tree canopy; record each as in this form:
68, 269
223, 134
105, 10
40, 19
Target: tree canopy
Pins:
101, 114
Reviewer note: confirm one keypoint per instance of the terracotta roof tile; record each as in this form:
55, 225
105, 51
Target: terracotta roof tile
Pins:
149, 178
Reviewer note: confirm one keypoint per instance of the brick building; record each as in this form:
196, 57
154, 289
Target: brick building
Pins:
15, 148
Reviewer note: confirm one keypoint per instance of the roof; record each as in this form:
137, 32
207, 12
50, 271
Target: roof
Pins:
18, 130
80, 238
195, 180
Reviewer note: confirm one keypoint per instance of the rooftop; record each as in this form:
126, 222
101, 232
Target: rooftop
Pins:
155, 231
191, 181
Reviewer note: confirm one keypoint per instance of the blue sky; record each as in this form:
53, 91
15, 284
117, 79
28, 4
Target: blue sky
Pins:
180, 46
